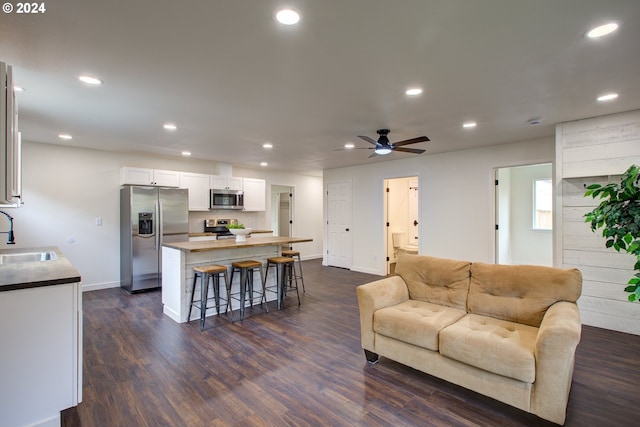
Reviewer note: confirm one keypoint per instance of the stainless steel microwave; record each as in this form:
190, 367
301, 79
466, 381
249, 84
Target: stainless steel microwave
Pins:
226, 199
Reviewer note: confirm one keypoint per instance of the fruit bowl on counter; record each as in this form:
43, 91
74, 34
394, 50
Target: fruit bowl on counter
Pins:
240, 233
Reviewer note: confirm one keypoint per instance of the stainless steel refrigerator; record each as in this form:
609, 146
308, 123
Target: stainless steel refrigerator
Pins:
149, 217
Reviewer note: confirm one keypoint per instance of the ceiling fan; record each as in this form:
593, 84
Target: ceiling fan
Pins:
383, 146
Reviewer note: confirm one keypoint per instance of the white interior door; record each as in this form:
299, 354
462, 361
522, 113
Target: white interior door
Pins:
339, 242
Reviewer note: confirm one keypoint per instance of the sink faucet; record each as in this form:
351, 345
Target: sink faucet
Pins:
10, 237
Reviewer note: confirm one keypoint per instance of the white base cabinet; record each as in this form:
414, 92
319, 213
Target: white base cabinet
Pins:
41, 354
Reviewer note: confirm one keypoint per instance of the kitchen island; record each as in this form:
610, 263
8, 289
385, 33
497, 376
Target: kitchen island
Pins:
178, 260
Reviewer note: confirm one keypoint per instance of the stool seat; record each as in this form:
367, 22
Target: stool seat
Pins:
290, 253
210, 269
247, 264
280, 260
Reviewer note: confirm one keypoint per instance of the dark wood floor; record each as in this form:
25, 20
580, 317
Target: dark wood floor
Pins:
303, 367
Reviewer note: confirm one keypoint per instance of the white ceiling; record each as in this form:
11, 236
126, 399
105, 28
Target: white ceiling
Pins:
231, 78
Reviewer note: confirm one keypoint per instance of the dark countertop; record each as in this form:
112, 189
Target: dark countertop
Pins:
34, 274
211, 245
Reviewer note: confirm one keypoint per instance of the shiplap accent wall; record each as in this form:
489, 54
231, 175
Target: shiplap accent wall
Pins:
591, 151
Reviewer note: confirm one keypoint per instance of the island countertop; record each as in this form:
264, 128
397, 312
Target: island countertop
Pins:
253, 241
34, 274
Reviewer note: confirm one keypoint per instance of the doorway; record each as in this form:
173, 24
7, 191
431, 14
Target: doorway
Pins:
339, 243
402, 228
524, 213
282, 210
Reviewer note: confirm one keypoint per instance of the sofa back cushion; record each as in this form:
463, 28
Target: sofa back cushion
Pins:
435, 280
520, 293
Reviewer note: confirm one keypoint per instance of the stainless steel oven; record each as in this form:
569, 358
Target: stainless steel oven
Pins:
226, 199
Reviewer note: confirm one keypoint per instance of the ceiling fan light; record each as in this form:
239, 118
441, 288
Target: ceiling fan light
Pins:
382, 150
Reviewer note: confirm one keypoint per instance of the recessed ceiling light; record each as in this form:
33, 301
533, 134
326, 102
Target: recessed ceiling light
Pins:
602, 30
607, 97
186, 153
18, 88
65, 136
170, 126
469, 125
90, 80
288, 17
267, 145
535, 121
264, 164
414, 91
349, 145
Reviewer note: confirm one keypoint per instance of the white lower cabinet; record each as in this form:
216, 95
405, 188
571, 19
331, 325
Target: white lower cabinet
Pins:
40, 355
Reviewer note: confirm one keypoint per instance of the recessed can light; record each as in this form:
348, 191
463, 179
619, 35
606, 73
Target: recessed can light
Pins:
170, 126
186, 153
602, 30
264, 164
90, 80
607, 97
267, 145
18, 88
349, 145
288, 17
414, 91
65, 136
469, 125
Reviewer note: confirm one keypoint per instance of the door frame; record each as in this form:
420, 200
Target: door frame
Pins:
386, 230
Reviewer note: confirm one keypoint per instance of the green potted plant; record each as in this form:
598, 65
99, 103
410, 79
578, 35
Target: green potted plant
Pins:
239, 231
619, 217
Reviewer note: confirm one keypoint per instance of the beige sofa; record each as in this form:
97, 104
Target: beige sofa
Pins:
506, 331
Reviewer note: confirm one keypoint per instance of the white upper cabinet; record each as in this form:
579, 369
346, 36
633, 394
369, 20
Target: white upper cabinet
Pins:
255, 195
198, 186
219, 182
142, 176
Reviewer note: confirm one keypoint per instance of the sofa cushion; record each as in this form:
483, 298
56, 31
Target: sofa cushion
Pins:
435, 280
415, 322
520, 293
498, 346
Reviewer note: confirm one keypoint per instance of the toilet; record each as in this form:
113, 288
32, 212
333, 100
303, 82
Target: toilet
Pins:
400, 245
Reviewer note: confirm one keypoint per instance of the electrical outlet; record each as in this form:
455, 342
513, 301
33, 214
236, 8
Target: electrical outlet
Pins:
98, 222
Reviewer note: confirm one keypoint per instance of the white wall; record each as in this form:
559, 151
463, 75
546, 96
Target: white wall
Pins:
595, 151
456, 200
66, 188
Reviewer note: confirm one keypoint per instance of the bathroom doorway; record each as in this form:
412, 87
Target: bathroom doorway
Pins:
402, 227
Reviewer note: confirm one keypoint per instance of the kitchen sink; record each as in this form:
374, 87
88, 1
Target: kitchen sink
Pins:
28, 257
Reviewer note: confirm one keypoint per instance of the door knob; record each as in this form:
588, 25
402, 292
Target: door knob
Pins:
346, 229
415, 222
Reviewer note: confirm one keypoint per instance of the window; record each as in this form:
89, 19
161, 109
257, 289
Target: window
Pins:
542, 204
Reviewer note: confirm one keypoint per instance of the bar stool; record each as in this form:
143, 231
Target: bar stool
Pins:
290, 254
246, 269
205, 273
284, 274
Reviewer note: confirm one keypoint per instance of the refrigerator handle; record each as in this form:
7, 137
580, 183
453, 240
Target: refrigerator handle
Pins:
160, 226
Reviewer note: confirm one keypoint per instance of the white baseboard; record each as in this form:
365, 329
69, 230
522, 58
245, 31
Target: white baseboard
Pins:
367, 270
98, 286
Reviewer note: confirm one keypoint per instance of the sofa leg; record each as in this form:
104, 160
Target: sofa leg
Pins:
372, 358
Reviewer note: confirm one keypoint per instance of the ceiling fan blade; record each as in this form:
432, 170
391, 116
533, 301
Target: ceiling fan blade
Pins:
409, 150
411, 141
369, 140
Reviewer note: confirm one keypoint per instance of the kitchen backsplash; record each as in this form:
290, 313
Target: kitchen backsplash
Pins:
249, 219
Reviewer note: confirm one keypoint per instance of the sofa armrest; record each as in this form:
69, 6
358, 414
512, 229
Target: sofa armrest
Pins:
374, 296
555, 349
